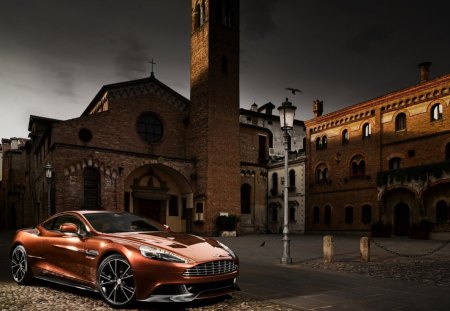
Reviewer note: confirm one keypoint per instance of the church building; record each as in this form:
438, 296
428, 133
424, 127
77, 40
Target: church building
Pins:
139, 146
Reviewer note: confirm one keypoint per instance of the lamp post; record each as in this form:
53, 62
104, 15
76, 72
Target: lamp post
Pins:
287, 112
48, 175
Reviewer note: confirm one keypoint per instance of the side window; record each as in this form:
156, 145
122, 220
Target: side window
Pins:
55, 223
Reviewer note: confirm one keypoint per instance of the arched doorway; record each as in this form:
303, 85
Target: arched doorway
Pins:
401, 219
160, 193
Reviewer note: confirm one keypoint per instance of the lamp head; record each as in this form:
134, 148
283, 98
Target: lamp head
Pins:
287, 113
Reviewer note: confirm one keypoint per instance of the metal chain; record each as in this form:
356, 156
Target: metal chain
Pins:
410, 255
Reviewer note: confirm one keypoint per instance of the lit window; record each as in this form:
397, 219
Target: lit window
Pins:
367, 131
436, 112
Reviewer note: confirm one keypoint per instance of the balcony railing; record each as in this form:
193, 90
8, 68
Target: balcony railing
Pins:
414, 173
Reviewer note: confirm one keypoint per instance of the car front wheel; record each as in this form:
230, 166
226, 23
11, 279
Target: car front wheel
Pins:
116, 281
21, 271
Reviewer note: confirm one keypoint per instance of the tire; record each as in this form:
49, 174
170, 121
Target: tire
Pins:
20, 268
116, 281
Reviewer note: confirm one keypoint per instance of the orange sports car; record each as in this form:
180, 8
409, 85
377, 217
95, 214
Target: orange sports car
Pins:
124, 257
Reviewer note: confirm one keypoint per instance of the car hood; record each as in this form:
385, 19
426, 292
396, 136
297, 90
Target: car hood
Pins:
189, 246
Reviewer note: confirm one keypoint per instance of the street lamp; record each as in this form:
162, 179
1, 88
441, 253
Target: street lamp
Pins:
287, 113
48, 175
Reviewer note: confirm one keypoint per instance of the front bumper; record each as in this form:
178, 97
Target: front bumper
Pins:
190, 292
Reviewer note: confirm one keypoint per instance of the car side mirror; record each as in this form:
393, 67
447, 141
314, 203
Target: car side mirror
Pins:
167, 228
68, 228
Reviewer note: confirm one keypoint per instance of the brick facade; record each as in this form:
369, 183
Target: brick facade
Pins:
348, 174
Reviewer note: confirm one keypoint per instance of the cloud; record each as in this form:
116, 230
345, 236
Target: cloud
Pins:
65, 83
362, 42
131, 60
257, 20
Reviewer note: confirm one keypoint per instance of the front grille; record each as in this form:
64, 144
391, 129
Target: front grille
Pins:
212, 268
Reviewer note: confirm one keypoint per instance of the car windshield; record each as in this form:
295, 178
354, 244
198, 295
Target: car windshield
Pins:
121, 222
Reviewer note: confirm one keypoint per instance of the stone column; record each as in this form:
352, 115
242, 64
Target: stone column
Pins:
364, 249
328, 249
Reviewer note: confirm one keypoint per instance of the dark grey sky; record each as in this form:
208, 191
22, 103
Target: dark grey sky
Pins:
56, 54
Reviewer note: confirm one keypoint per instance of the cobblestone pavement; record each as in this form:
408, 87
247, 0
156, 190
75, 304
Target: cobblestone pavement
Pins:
44, 296
434, 269
431, 271
41, 297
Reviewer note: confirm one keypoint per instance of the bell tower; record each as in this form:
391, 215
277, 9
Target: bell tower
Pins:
213, 132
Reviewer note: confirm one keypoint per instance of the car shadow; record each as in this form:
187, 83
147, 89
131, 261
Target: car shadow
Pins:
137, 305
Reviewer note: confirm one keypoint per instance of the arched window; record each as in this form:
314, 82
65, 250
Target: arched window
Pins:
292, 212
316, 215
246, 189
327, 215
395, 163
367, 131
436, 112
358, 167
447, 152
197, 16
349, 215
321, 173
227, 14
91, 188
318, 143
304, 144
362, 169
202, 13
345, 138
324, 142
325, 174
442, 212
366, 214
274, 214
400, 122
274, 184
291, 178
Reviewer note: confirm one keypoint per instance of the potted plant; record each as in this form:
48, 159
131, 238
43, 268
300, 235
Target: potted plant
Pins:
226, 224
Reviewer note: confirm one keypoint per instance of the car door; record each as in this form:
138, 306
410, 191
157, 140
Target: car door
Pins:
64, 253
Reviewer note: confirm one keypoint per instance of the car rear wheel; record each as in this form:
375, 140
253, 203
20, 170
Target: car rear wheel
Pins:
21, 271
116, 281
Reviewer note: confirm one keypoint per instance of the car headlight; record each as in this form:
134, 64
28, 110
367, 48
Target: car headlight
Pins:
160, 254
227, 249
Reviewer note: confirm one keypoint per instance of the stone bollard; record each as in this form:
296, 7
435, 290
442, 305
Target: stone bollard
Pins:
364, 249
328, 249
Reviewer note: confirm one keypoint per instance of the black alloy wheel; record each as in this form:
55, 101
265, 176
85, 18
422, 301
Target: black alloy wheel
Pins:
21, 271
116, 281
